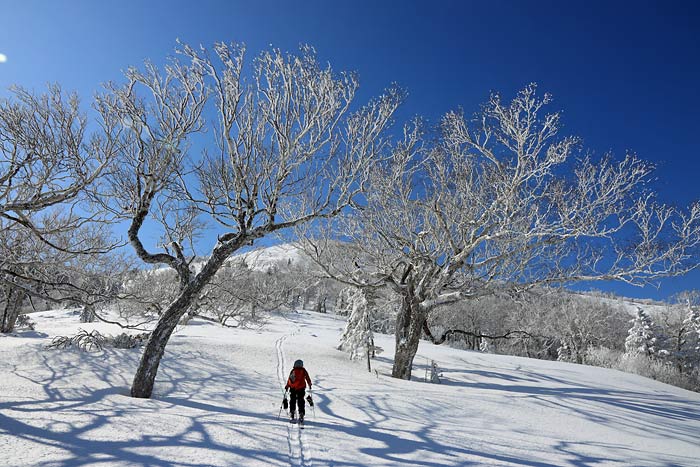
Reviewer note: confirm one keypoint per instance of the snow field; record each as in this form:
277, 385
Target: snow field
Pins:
219, 390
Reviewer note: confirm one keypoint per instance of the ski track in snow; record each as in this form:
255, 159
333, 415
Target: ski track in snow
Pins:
279, 343
71, 408
306, 457
299, 454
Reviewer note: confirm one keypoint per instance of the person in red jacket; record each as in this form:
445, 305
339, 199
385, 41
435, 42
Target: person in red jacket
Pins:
296, 383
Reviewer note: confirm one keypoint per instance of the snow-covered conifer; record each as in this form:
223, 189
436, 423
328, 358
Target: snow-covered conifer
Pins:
564, 353
641, 339
357, 337
486, 346
343, 304
435, 373
690, 339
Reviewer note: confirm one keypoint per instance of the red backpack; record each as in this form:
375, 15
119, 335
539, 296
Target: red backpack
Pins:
298, 378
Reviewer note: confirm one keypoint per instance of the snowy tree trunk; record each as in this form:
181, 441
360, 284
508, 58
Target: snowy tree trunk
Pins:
678, 351
369, 360
409, 328
87, 315
145, 377
13, 304
320, 304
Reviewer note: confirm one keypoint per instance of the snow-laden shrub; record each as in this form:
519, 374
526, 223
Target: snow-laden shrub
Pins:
24, 321
656, 369
602, 356
94, 341
642, 365
435, 373
486, 346
83, 340
564, 353
127, 341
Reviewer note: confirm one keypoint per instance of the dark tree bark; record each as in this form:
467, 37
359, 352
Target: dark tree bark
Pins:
409, 327
144, 379
13, 304
191, 287
477, 335
87, 315
278, 139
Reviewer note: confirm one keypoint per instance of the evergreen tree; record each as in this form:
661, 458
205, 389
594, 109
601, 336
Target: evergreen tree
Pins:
357, 338
343, 304
564, 353
641, 338
690, 340
486, 346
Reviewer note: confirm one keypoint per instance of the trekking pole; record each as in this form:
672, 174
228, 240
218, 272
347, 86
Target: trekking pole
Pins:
283, 405
313, 406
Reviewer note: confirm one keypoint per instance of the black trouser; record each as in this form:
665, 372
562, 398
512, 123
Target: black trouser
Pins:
296, 397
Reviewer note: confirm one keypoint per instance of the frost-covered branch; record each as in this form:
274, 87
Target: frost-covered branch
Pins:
285, 147
504, 201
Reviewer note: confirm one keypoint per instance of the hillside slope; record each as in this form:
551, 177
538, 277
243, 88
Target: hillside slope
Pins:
218, 394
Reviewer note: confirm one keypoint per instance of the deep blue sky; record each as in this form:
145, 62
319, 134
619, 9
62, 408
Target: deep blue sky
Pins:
626, 74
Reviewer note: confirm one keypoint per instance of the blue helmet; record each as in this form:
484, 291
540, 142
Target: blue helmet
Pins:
299, 364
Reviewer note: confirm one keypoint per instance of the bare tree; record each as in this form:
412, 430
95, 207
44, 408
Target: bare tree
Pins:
49, 166
578, 323
37, 274
145, 294
281, 149
502, 202
240, 296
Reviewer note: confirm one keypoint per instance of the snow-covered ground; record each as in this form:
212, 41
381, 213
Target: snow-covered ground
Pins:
280, 256
218, 395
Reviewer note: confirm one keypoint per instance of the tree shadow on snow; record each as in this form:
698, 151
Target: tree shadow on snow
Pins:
207, 397
400, 443
665, 415
662, 413
75, 423
25, 333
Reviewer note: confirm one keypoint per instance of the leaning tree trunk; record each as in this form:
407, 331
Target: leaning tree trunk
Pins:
145, 377
10, 311
155, 347
409, 328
